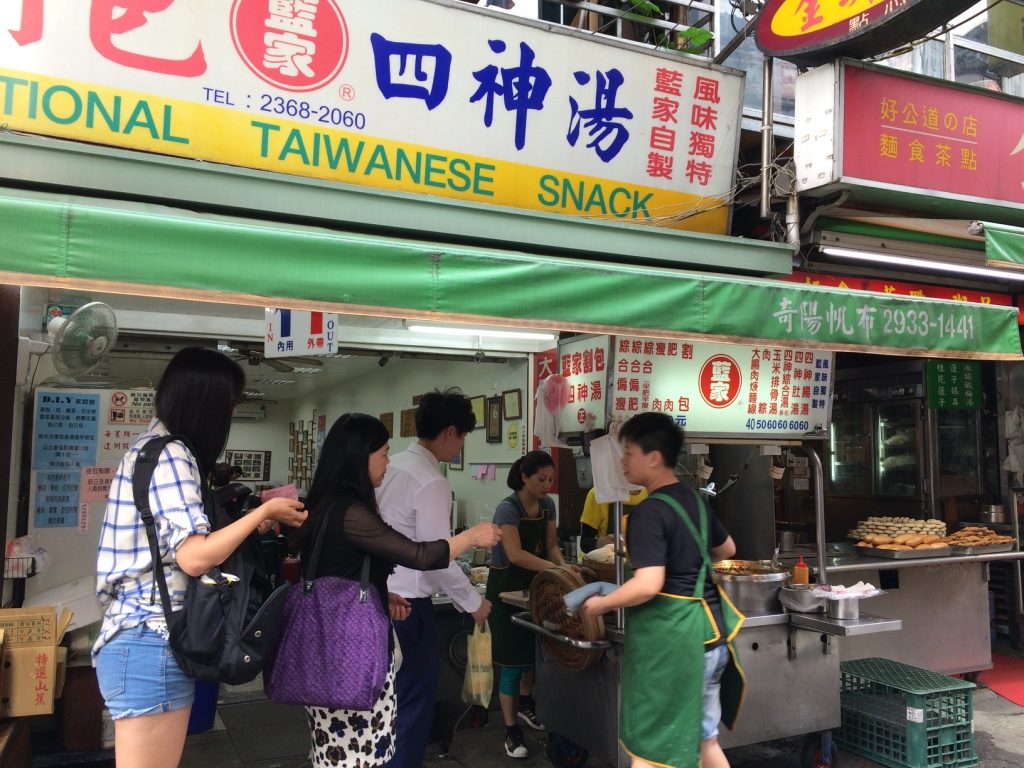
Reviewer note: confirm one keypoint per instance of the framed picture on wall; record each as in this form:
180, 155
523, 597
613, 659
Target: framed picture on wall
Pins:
459, 461
407, 423
478, 410
512, 404
255, 464
492, 420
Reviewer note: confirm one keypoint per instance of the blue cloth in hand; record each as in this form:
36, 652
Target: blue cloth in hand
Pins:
579, 596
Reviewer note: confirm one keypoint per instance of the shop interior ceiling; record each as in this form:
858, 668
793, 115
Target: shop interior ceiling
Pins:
152, 330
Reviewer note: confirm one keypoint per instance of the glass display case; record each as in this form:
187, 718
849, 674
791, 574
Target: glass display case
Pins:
897, 433
959, 453
849, 451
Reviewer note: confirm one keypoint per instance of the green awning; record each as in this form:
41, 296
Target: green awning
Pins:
1004, 245
868, 227
113, 246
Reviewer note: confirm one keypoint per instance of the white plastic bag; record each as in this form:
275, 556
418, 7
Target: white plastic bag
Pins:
479, 680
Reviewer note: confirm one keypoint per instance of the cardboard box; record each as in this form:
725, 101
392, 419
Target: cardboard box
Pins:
32, 668
78, 596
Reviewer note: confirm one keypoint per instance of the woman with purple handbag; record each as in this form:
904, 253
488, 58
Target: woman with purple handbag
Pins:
338, 654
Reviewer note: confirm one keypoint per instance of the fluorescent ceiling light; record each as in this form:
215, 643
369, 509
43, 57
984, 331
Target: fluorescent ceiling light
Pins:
445, 330
939, 266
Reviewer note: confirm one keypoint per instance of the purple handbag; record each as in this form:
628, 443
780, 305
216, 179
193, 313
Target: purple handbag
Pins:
333, 651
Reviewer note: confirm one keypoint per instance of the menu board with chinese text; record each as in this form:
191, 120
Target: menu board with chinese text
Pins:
723, 389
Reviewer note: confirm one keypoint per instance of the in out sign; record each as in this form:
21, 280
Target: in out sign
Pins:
720, 380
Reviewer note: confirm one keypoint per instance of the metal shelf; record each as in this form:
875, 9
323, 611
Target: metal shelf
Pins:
865, 625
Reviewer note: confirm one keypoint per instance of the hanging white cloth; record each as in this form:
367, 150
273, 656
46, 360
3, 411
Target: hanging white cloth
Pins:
1015, 461
545, 422
610, 483
1014, 424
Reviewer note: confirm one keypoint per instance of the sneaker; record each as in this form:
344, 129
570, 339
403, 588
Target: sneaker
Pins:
515, 745
528, 716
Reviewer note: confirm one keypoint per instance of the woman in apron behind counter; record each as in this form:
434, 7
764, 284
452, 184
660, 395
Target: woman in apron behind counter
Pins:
529, 544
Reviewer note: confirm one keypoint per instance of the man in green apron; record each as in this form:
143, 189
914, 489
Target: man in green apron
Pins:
680, 673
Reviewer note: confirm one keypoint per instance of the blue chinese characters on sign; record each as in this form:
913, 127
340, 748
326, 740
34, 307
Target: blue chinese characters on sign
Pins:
603, 122
65, 431
521, 88
411, 70
65, 441
57, 496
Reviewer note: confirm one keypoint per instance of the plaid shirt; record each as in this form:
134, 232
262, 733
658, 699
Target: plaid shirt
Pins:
124, 569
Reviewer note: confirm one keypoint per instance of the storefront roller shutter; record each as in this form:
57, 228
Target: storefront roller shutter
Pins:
151, 250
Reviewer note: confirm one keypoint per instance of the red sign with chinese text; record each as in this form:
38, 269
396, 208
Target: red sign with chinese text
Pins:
294, 46
932, 136
809, 32
720, 380
900, 288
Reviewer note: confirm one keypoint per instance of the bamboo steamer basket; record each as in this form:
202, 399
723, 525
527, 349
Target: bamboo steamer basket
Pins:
547, 608
602, 571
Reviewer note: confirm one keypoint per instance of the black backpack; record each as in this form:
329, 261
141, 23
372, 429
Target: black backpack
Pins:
229, 624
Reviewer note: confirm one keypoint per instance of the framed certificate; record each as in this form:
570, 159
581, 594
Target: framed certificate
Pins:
512, 404
492, 420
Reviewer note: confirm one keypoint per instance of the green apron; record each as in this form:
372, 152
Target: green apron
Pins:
511, 645
663, 666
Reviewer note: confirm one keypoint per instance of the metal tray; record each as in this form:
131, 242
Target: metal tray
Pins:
904, 554
985, 549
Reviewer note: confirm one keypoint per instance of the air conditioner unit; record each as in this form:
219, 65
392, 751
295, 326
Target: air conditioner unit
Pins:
249, 412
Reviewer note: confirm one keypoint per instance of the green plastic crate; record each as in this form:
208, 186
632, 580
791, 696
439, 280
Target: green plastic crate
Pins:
906, 717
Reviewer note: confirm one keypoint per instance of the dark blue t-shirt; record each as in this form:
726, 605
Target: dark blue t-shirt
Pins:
657, 536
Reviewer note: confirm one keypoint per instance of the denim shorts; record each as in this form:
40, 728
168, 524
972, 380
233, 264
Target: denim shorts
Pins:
138, 675
715, 662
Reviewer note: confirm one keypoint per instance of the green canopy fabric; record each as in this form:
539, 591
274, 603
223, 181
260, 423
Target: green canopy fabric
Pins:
117, 246
1004, 244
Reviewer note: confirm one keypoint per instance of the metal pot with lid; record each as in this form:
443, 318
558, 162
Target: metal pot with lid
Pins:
992, 513
752, 585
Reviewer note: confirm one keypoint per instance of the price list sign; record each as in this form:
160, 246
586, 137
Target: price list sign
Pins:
66, 426
79, 436
723, 389
954, 384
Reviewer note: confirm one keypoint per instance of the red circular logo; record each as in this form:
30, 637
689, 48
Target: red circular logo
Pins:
720, 381
581, 415
299, 48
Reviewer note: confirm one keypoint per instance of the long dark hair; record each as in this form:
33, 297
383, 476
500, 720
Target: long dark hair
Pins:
196, 397
528, 465
342, 471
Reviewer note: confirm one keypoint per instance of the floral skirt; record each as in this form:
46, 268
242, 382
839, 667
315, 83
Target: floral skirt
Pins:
349, 738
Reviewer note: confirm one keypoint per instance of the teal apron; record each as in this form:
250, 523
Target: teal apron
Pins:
511, 645
663, 666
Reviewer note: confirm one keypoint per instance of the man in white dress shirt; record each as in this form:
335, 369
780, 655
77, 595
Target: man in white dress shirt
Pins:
416, 499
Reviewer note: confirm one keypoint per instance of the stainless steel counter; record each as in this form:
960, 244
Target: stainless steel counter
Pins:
843, 563
764, 620
943, 604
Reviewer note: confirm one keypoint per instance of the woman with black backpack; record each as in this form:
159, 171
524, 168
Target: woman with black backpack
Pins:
148, 695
